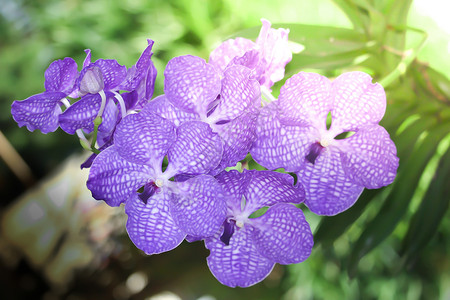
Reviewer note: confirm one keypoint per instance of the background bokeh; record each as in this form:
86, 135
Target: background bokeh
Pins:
57, 242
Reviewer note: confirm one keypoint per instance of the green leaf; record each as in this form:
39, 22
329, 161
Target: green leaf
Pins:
432, 209
396, 204
328, 62
358, 19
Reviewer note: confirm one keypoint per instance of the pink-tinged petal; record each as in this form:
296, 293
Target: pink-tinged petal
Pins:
81, 114
371, 159
197, 149
228, 50
274, 47
278, 145
40, 111
283, 235
114, 179
163, 108
240, 92
150, 226
305, 100
109, 118
234, 184
356, 102
144, 138
238, 137
266, 188
60, 76
238, 263
198, 206
191, 84
251, 59
328, 189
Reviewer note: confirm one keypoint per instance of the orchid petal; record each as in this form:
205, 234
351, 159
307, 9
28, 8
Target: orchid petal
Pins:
81, 114
283, 235
305, 100
238, 137
144, 138
356, 102
150, 226
239, 93
139, 71
235, 185
191, 84
114, 179
266, 188
278, 145
328, 189
276, 53
40, 111
198, 206
60, 76
371, 159
228, 50
197, 149
113, 73
238, 263
162, 107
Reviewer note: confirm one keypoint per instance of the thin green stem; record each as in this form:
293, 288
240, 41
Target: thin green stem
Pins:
407, 57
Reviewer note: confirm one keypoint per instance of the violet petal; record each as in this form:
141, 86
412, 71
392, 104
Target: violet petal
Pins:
356, 101
191, 84
239, 93
198, 206
197, 149
163, 108
114, 179
144, 138
278, 145
60, 76
328, 189
371, 159
81, 114
239, 263
266, 188
283, 235
150, 226
228, 50
39, 111
305, 100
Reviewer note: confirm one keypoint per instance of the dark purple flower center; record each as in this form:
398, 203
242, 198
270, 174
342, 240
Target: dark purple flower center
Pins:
314, 152
149, 189
228, 230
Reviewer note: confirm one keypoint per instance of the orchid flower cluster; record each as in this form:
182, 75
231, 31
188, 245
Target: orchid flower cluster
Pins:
169, 159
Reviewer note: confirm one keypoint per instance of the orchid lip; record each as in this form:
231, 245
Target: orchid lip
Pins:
228, 231
149, 190
314, 151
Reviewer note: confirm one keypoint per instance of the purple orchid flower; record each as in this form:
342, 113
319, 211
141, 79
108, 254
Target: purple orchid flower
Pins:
246, 249
194, 90
292, 134
98, 85
267, 57
41, 111
161, 211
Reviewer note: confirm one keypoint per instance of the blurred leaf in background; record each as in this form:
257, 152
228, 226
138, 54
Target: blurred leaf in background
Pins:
393, 244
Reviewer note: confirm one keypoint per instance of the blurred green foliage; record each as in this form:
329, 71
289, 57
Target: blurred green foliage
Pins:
393, 244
